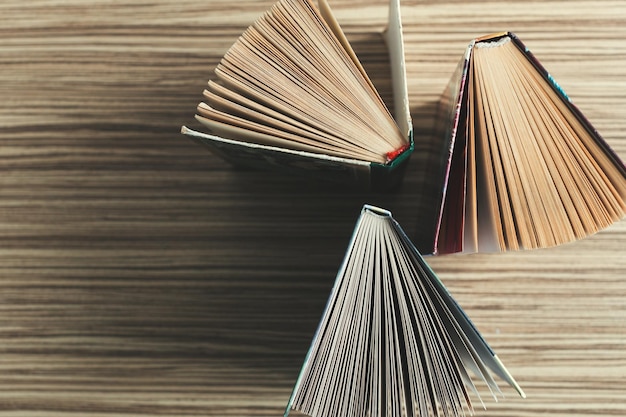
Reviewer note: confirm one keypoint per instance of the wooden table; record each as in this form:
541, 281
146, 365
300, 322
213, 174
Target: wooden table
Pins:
141, 275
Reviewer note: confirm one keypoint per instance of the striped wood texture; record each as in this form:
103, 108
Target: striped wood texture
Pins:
140, 275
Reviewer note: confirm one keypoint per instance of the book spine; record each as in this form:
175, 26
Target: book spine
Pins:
394, 154
388, 177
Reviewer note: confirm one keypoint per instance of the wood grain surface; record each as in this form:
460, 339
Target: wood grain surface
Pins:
143, 276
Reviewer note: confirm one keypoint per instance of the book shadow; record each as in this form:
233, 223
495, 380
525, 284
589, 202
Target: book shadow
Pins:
251, 288
309, 223
294, 232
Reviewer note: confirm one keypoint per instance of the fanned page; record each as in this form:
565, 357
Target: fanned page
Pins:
392, 340
289, 82
538, 174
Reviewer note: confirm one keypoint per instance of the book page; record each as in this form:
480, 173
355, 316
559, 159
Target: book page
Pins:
470, 231
332, 22
490, 228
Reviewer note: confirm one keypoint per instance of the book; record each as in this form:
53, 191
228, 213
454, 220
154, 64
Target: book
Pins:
291, 94
392, 341
519, 165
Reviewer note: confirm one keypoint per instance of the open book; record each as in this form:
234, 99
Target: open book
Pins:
520, 165
392, 340
291, 93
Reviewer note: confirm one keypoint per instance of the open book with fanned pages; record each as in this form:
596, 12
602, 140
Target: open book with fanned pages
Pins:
517, 165
292, 94
392, 341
